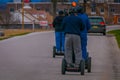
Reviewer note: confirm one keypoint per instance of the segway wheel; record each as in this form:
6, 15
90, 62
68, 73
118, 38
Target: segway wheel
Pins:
89, 64
54, 51
63, 66
82, 67
86, 61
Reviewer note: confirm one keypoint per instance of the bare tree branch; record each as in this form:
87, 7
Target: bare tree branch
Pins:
6, 19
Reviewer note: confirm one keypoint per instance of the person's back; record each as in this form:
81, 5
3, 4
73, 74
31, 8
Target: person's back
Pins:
85, 21
57, 23
72, 24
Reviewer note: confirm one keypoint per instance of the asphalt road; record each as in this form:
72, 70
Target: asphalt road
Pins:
29, 57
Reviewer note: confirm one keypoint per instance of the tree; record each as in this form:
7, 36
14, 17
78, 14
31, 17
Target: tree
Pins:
6, 19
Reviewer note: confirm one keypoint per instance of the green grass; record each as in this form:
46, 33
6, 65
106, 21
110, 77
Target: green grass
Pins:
14, 32
2, 38
116, 33
18, 32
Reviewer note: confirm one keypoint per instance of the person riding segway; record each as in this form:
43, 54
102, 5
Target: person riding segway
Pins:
72, 26
85, 54
59, 35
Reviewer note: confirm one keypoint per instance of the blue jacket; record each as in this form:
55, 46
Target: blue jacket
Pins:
85, 21
72, 24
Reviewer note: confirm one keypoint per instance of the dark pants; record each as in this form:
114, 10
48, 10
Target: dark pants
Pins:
84, 46
72, 43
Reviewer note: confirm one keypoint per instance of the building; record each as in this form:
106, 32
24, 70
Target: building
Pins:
110, 9
114, 11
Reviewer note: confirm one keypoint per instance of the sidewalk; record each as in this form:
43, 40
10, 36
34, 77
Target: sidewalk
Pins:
112, 27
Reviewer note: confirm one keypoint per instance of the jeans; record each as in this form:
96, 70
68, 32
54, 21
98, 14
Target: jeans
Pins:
84, 46
60, 39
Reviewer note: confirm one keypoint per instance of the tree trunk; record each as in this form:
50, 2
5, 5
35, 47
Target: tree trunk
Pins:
54, 2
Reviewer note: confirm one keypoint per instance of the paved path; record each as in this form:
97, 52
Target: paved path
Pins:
29, 57
113, 27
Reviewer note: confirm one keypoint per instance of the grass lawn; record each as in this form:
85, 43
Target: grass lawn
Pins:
17, 32
14, 32
116, 33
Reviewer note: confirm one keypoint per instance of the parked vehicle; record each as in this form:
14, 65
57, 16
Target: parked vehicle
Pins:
98, 24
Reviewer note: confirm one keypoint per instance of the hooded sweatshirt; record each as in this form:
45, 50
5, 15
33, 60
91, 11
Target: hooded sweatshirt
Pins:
72, 25
57, 23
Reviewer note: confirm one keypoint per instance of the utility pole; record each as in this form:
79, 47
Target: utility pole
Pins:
33, 25
84, 4
54, 2
22, 14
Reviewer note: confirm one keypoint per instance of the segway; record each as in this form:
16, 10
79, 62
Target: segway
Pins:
56, 53
88, 63
80, 69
